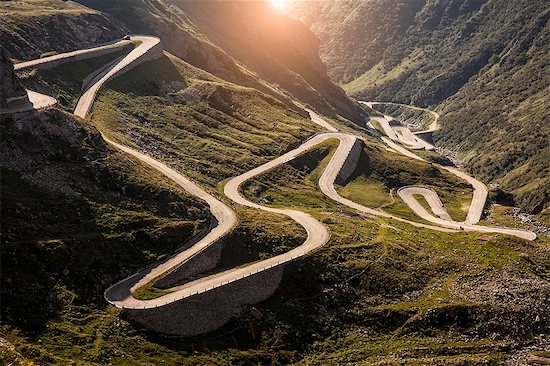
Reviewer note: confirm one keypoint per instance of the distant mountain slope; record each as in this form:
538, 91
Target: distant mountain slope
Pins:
281, 58
29, 29
355, 34
281, 50
484, 62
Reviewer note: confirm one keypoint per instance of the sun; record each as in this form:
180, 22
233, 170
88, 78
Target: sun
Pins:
279, 4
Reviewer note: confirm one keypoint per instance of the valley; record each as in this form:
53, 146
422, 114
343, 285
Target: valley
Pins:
381, 270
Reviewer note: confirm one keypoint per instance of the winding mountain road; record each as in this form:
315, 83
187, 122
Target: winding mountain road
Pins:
431, 197
224, 218
434, 126
58, 59
146, 44
480, 191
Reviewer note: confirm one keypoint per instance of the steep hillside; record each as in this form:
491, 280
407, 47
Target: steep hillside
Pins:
281, 50
483, 62
31, 28
213, 35
355, 34
76, 215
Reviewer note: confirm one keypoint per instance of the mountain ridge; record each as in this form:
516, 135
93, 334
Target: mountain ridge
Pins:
191, 38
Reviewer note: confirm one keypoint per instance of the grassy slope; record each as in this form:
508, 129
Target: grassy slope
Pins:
376, 283
374, 184
208, 128
330, 303
483, 62
246, 43
257, 121
77, 216
31, 28
380, 174
374, 294
348, 31
256, 237
279, 49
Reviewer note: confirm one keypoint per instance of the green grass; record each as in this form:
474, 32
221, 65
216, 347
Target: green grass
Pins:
208, 128
420, 198
502, 215
366, 296
372, 264
357, 347
353, 300
377, 126
26, 8
377, 75
380, 174
257, 237
149, 292
544, 217
283, 187
456, 204
369, 192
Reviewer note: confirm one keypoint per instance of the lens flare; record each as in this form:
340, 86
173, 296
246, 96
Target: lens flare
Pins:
279, 4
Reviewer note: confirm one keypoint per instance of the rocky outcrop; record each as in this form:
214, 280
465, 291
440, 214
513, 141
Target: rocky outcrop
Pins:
63, 27
10, 89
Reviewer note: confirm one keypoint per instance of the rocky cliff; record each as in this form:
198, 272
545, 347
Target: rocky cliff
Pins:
9, 85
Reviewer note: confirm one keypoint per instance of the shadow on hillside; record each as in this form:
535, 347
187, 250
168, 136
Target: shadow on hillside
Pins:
149, 79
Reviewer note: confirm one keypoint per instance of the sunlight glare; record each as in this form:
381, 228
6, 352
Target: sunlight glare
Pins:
279, 4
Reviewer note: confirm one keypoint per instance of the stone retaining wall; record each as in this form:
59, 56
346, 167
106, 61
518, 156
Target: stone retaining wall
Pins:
210, 310
201, 262
426, 136
351, 163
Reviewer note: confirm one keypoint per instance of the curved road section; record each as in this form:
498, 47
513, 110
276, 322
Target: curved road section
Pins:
148, 48
434, 126
443, 218
58, 59
399, 133
224, 218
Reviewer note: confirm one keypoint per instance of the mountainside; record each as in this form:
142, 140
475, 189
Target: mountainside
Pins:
30, 29
281, 50
215, 36
354, 35
484, 63
77, 215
